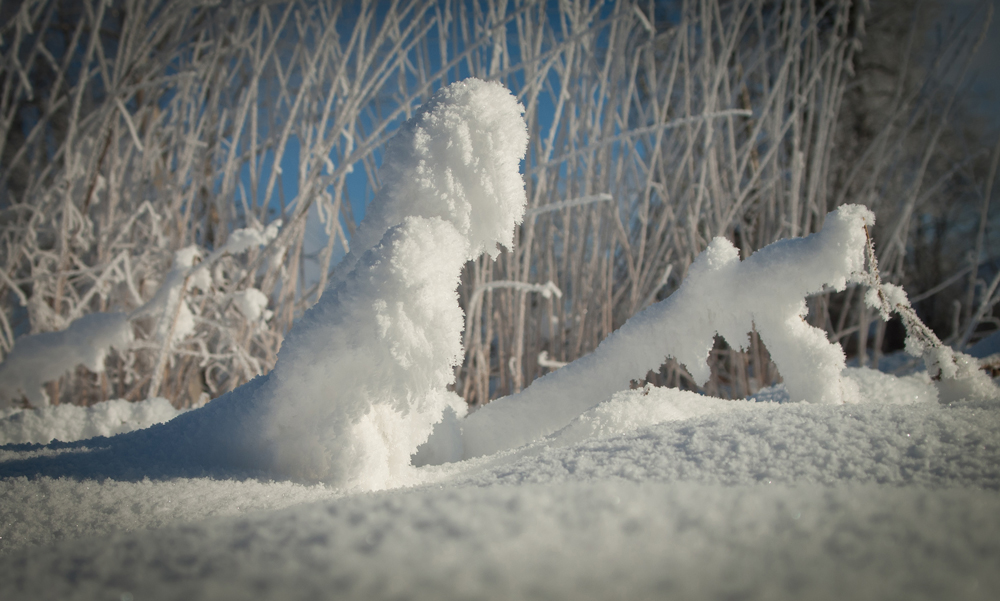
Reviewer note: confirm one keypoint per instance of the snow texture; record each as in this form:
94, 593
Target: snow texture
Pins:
68, 423
44, 357
720, 295
610, 540
893, 497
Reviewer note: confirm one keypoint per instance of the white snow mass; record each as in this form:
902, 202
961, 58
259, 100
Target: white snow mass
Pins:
44, 357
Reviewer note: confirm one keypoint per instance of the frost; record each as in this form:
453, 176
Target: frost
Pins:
244, 239
43, 357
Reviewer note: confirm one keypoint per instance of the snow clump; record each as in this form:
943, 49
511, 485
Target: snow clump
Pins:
362, 377
44, 357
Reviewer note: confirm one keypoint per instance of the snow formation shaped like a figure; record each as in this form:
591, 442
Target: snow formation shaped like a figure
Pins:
720, 295
361, 378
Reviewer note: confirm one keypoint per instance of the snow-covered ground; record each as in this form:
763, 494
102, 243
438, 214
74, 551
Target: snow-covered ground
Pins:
653, 494
841, 484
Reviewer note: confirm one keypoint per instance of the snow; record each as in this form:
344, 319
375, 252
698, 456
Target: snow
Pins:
891, 497
720, 295
350, 471
575, 541
44, 357
458, 158
252, 303
69, 423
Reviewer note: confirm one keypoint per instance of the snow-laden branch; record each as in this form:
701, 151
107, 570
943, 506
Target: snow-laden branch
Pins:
721, 295
44, 357
957, 375
545, 361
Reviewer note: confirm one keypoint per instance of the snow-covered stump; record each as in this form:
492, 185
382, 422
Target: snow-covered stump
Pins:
721, 295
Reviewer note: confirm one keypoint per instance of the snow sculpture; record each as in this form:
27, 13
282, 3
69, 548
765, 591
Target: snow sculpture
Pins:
721, 295
46, 356
362, 377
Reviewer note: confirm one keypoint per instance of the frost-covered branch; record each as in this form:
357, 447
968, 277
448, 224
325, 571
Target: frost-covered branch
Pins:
958, 376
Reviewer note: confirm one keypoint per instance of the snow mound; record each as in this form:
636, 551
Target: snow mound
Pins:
69, 423
924, 444
630, 410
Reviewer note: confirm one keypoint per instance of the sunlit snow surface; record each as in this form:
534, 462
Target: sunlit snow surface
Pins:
654, 493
